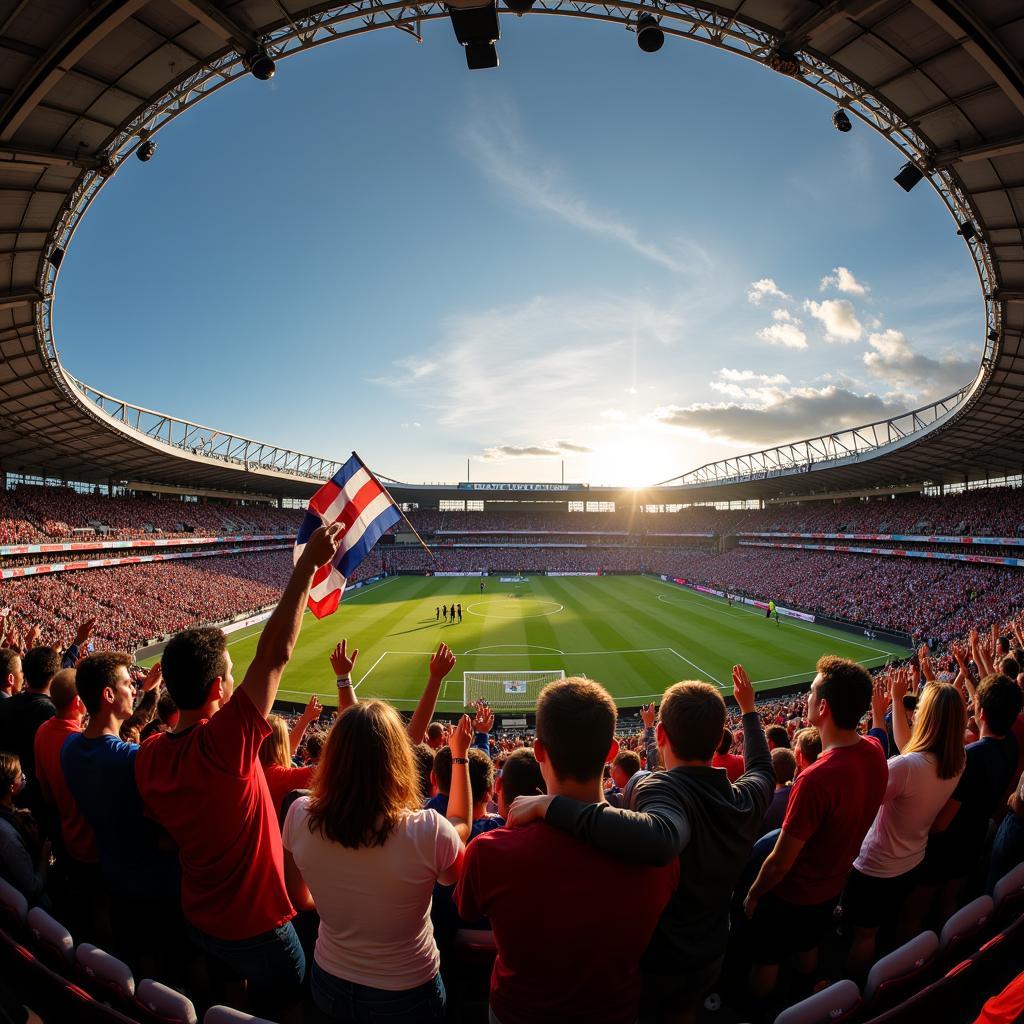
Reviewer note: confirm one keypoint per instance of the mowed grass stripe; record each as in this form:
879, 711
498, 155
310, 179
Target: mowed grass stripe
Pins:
613, 629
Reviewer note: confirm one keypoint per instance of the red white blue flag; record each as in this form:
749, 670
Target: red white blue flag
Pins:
354, 498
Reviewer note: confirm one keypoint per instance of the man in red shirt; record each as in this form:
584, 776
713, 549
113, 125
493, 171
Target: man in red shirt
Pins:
831, 807
77, 837
574, 956
204, 784
732, 763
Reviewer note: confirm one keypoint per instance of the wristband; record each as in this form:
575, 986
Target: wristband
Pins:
344, 680
460, 760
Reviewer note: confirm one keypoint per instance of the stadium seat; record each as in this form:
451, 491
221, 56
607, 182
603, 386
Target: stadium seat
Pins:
966, 924
13, 908
227, 1015
944, 999
105, 973
836, 1002
52, 940
1008, 895
161, 1004
898, 972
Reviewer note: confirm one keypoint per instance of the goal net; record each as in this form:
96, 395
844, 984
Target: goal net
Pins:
517, 689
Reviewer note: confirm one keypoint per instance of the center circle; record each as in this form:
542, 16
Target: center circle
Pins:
553, 608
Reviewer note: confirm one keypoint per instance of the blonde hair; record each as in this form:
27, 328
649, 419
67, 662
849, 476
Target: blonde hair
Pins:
277, 747
939, 729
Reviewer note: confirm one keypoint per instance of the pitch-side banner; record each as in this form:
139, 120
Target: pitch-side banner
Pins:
570, 574
791, 613
945, 556
913, 538
460, 574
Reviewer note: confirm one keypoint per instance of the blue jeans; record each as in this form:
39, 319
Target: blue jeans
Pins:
272, 964
359, 1004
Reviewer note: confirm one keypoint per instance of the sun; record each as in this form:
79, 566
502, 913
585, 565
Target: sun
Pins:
636, 459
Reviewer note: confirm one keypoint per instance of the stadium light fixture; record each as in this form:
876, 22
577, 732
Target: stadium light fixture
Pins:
260, 65
841, 121
993, 335
784, 62
55, 257
649, 35
910, 174
146, 150
518, 7
967, 230
477, 30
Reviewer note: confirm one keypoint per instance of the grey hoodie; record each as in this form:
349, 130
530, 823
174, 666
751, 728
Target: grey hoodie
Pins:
694, 814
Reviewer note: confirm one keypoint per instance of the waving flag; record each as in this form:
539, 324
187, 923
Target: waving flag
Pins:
354, 498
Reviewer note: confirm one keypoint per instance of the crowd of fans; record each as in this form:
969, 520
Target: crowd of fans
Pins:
33, 514
233, 853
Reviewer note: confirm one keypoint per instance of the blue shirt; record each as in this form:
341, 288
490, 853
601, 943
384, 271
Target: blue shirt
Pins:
101, 776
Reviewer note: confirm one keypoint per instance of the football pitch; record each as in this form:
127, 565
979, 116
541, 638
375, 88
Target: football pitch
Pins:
634, 634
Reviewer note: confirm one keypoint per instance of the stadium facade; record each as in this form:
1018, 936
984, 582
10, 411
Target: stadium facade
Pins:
86, 86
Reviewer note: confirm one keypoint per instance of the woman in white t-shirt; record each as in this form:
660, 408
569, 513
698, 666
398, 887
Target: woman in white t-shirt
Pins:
922, 778
361, 851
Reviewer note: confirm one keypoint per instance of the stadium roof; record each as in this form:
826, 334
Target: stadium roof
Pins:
84, 84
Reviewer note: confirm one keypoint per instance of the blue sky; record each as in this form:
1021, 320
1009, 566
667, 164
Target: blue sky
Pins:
635, 263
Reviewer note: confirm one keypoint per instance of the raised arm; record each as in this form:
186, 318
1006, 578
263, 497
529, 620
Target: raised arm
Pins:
309, 715
460, 797
146, 710
282, 629
757, 758
900, 724
342, 662
648, 712
442, 662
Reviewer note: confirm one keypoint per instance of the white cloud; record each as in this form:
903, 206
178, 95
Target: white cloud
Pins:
751, 375
842, 280
542, 450
544, 367
786, 334
503, 155
892, 358
763, 289
783, 316
839, 318
778, 415
615, 415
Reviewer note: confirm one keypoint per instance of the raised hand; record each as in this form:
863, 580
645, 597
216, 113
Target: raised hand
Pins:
313, 709
925, 660
153, 677
33, 636
899, 686
85, 631
442, 662
742, 689
341, 661
648, 713
322, 546
484, 720
461, 737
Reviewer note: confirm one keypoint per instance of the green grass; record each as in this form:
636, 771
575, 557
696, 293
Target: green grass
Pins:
634, 634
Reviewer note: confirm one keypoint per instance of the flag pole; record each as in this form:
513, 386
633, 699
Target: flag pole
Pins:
373, 476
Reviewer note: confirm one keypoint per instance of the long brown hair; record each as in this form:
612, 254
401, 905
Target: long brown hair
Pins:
939, 729
367, 780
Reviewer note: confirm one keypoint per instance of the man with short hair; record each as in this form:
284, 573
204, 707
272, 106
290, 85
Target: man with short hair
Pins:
691, 815
435, 736
623, 768
520, 776
11, 678
203, 782
777, 736
77, 839
556, 962
830, 809
806, 747
98, 767
22, 715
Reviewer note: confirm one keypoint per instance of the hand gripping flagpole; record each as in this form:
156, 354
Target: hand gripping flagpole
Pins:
373, 476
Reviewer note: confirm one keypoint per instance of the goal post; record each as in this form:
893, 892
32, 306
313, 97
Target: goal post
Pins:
502, 689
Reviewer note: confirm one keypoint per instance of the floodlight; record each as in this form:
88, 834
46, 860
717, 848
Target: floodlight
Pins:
55, 257
841, 121
784, 62
993, 335
518, 7
649, 36
260, 65
146, 150
967, 230
910, 174
476, 28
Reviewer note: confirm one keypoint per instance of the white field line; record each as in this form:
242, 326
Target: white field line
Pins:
495, 647
371, 668
707, 599
693, 664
